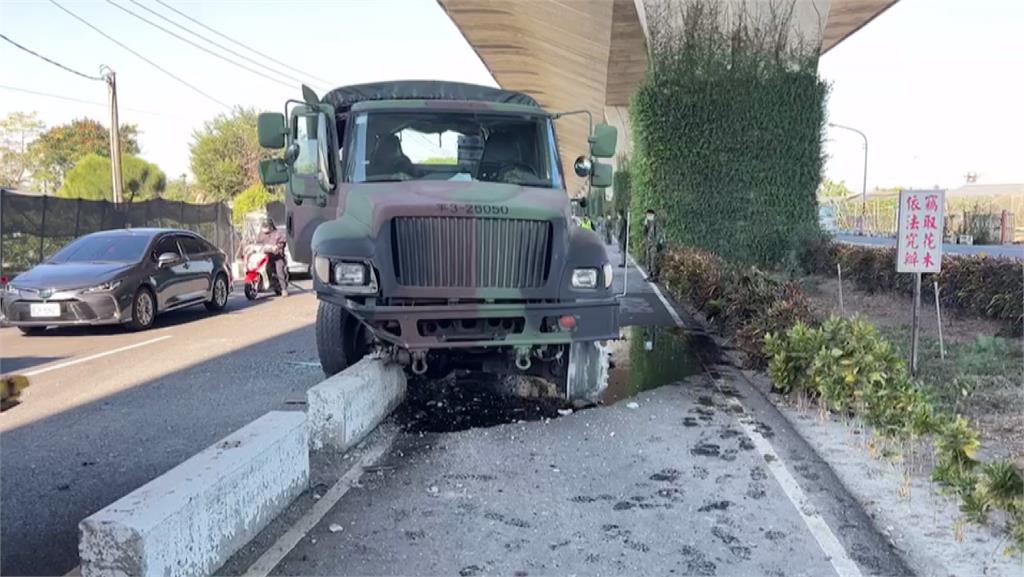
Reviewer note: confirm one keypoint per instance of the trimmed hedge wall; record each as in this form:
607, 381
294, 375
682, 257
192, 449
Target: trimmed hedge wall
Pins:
727, 135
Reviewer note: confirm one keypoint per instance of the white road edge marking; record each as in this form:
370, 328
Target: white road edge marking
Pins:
286, 542
73, 362
827, 540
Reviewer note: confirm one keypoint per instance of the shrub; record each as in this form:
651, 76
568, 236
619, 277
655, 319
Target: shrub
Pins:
986, 286
790, 357
256, 197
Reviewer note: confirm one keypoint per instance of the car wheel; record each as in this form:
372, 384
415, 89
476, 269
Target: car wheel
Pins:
219, 298
143, 310
32, 331
340, 338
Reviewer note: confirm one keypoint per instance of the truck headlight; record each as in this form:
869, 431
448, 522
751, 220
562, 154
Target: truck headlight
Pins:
584, 278
350, 274
608, 273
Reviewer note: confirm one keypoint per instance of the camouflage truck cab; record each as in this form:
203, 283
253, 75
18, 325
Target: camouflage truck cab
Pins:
437, 220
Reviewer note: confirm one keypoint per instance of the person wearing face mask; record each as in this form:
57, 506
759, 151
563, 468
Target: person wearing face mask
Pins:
273, 243
652, 244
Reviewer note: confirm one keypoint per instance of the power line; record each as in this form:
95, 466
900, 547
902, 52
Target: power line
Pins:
203, 48
82, 101
141, 57
249, 48
54, 62
218, 45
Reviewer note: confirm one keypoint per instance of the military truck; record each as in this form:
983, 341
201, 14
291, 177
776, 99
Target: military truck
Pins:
436, 218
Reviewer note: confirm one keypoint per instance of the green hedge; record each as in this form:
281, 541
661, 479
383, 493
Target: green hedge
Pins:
986, 286
727, 131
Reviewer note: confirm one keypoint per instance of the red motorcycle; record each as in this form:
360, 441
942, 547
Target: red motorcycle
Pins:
259, 278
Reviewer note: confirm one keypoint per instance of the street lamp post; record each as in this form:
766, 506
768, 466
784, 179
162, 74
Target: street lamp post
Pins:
864, 183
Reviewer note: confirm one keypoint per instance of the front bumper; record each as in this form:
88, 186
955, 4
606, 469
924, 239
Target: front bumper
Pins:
75, 310
595, 320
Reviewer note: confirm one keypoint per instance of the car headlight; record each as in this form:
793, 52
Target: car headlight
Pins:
105, 287
584, 278
350, 274
608, 273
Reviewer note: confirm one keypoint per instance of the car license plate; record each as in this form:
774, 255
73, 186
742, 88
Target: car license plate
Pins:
44, 310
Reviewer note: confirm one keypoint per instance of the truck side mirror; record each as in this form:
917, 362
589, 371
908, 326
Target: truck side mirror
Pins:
271, 128
582, 167
601, 175
273, 171
603, 141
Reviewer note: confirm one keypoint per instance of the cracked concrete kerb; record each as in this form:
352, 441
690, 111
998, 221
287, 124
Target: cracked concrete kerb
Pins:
346, 407
191, 519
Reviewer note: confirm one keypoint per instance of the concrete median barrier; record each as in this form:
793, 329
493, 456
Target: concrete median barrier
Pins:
347, 406
191, 519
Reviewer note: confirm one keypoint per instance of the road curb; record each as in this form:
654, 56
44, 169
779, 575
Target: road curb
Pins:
191, 519
346, 407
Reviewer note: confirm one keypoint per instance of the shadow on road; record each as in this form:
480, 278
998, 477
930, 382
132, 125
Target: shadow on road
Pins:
62, 468
15, 364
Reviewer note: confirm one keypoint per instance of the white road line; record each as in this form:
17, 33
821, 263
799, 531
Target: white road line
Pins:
73, 362
668, 306
284, 544
827, 540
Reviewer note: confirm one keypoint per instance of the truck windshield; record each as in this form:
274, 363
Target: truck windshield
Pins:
454, 146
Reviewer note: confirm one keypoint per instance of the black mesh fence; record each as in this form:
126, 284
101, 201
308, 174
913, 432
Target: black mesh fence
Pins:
33, 227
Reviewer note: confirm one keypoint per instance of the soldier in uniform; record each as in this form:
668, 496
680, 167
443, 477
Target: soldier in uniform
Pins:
652, 244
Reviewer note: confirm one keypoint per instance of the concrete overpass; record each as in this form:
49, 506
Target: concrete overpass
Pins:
592, 54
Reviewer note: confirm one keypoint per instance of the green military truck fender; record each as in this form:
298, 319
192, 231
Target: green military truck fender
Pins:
436, 219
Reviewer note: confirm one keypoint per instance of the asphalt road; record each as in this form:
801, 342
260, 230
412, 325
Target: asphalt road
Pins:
1004, 250
87, 434
483, 485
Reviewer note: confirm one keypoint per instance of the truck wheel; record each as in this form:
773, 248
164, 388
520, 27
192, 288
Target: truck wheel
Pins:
587, 372
340, 338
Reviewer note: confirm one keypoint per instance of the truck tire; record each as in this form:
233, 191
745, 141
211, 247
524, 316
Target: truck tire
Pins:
587, 373
340, 338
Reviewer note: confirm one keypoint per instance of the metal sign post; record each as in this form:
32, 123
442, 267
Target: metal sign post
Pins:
919, 246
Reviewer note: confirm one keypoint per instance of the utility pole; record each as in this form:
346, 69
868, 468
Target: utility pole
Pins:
115, 136
864, 183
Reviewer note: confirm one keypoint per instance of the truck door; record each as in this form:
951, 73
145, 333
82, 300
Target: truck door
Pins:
302, 219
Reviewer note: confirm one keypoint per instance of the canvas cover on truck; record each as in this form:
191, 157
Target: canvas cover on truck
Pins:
344, 97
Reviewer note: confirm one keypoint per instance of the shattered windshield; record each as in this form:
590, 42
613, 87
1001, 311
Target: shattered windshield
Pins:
455, 146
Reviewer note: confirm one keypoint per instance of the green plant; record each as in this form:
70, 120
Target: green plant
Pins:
727, 128
956, 444
256, 197
790, 356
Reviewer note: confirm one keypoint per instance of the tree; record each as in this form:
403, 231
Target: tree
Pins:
17, 131
58, 149
226, 154
832, 189
180, 189
90, 179
256, 197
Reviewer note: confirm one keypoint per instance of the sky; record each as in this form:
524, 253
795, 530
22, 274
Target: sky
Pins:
935, 84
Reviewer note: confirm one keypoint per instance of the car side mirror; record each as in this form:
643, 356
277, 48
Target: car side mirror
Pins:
271, 128
601, 175
273, 171
167, 259
603, 141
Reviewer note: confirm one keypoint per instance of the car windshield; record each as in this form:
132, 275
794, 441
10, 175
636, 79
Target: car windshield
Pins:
102, 248
455, 146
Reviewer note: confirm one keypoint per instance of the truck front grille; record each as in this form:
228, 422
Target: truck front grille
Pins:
443, 251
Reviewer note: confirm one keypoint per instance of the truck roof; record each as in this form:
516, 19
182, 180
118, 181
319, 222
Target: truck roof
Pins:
344, 97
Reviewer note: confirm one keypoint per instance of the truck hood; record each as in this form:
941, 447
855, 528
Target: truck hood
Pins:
377, 203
